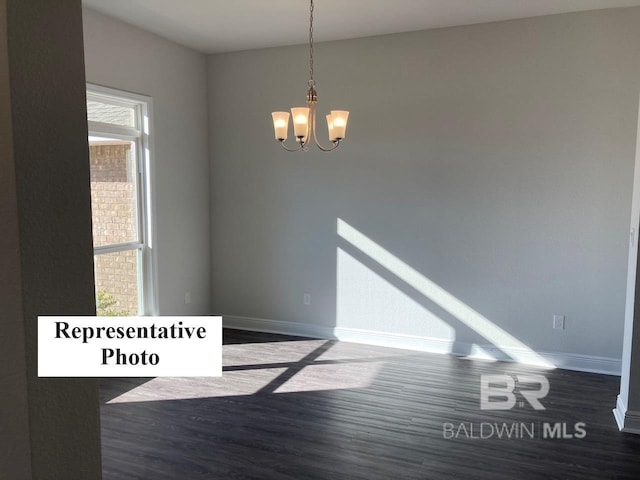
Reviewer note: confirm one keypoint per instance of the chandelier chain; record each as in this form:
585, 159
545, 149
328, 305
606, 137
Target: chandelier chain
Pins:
311, 80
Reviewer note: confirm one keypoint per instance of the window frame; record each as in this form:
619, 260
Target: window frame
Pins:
140, 135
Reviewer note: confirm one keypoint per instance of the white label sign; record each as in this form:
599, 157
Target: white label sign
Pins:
129, 346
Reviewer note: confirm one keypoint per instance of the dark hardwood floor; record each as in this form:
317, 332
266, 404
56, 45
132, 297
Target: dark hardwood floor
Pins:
293, 408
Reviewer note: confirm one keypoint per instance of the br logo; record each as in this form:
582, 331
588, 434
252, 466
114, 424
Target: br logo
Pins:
497, 391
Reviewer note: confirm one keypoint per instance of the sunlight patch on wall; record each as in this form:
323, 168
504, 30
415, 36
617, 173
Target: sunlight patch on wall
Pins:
436, 294
363, 297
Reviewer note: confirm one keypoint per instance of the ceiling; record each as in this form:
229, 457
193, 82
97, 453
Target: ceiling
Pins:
214, 26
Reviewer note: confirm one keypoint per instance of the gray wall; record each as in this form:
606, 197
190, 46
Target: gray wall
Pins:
46, 253
123, 57
495, 160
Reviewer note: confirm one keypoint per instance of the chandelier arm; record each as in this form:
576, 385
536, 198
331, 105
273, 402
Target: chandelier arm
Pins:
334, 144
288, 149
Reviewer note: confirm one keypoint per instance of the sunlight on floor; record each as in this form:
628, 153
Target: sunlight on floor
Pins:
277, 352
360, 352
332, 377
242, 382
295, 366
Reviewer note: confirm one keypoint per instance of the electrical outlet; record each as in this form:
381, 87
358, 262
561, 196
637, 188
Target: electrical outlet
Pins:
306, 299
558, 322
187, 298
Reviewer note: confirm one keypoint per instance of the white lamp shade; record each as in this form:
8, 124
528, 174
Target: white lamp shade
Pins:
332, 135
300, 121
339, 121
280, 124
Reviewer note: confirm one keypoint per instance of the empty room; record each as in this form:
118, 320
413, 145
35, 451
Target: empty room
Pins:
407, 229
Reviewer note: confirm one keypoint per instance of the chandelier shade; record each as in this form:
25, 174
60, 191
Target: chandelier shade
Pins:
281, 124
300, 122
304, 118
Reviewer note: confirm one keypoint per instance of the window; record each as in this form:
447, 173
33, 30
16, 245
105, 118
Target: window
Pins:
119, 155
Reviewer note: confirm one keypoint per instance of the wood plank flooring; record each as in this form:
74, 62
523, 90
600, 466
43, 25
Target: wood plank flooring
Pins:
293, 408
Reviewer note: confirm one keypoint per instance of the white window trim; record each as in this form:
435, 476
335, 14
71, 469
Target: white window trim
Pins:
116, 131
146, 244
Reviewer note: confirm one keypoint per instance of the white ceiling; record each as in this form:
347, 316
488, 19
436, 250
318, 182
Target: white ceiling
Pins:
213, 26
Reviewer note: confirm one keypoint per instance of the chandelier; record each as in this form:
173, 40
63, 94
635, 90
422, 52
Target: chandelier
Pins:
304, 118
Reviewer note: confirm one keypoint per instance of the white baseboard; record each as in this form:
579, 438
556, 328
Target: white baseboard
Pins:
276, 326
568, 361
628, 421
